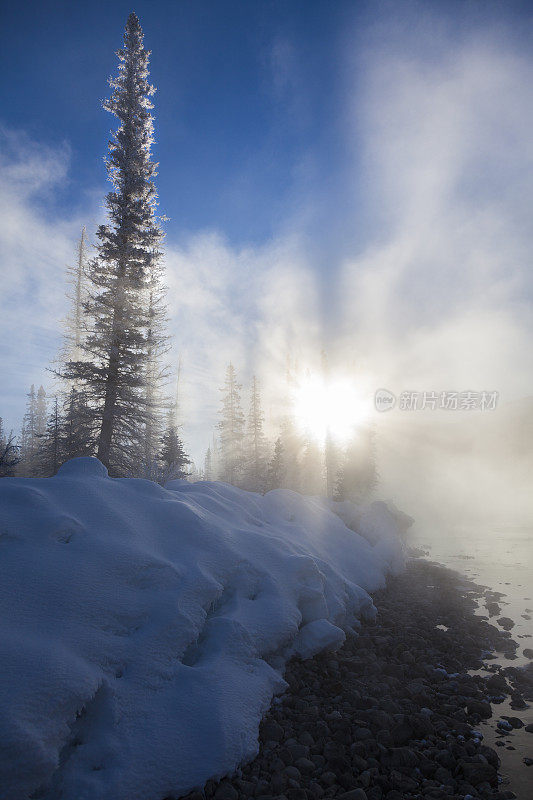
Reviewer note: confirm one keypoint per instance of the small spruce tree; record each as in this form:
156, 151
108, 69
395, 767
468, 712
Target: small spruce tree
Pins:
174, 460
208, 465
358, 475
231, 427
276, 467
50, 452
256, 445
9, 453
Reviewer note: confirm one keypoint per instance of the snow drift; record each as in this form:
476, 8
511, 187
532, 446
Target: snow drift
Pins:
144, 630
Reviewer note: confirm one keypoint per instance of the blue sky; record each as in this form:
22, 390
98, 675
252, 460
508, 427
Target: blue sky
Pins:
340, 174
248, 98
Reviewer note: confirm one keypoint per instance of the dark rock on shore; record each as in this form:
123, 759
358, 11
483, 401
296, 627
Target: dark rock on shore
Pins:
392, 714
506, 623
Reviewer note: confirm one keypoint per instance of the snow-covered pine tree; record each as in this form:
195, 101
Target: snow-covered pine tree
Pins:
331, 460
77, 294
358, 475
231, 427
40, 412
256, 444
156, 373
312, 469
9, 457
276, 468
50, 453
174, 460
76, 431
215, 458
208, 465
293, 447
29, 440
124, 329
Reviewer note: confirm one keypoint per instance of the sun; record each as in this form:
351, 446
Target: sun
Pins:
333, 407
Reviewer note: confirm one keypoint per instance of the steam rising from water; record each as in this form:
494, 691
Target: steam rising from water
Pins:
436, 293
426, 286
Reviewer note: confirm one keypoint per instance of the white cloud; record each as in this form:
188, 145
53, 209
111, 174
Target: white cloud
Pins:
35, 249
252, 306
441, 299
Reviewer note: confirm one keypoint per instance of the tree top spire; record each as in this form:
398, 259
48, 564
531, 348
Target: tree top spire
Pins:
133, 33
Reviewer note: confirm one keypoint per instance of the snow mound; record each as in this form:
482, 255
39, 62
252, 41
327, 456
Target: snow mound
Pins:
144, 630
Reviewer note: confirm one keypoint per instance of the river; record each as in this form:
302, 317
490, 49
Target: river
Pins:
500, 558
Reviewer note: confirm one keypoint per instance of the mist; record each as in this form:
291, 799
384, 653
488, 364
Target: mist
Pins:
410, 267
435, 295
265, 462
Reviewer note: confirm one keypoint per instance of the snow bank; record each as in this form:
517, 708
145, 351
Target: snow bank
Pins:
144, 630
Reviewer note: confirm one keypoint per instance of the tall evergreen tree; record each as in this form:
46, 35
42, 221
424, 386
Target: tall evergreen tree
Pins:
231, 427
76, 429
9, 457
29, 440
174, 460
256, 444
293, 448
276, 469
77, 294
215, 458
124, 311
40, 412
208, 465
358, 475
50, 451
331, 460
312, 469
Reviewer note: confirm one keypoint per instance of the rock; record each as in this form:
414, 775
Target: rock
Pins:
497, 684
271, 731
262, 787
297, 750
529, 728
353, 794
328, 778
528, 652
359, 764
225, 791
362, 733
293, 773
401, 733
506, 623
305, 765
479, 707
443, 775
403, 757
478, 772
493, 609
315, 790
514, 722
445, 759
295, 793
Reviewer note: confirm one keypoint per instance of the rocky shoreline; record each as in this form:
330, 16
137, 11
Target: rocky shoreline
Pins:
395, 713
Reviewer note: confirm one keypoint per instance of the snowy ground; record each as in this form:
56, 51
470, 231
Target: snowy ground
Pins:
144, 630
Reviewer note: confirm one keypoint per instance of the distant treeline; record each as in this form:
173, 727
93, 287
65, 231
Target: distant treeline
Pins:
109, 399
